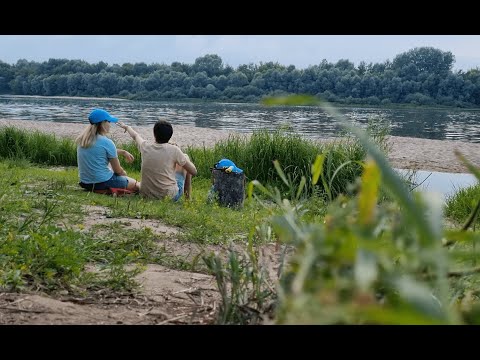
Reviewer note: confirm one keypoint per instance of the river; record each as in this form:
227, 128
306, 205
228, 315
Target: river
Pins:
313, 122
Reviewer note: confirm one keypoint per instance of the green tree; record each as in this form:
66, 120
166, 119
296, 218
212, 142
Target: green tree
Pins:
249, 70
6, 75
211, 64
425, 59
237, 79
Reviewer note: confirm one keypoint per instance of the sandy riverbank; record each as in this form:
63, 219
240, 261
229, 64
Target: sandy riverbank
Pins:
405, 153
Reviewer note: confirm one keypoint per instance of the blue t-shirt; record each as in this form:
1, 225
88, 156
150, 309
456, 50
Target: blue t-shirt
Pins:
93, 161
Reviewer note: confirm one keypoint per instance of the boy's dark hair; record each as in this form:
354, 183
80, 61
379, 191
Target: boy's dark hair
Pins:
162, 131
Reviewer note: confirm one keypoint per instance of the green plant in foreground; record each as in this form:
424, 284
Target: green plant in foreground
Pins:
243, 285
371, 263
47, 258
462, 203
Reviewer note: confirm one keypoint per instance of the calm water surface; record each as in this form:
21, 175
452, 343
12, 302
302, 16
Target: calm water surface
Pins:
309, 121
445, 184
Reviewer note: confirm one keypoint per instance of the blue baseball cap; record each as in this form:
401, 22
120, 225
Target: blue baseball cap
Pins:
99, 115
226, 164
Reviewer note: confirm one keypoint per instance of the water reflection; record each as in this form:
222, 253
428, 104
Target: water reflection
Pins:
443, 183
438, 124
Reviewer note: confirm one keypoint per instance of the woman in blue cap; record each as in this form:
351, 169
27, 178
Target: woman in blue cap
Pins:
97, 156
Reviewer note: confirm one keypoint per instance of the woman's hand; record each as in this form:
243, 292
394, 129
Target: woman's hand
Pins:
128, 157
121, 173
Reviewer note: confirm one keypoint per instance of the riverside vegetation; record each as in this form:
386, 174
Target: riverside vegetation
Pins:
422, 76
355, 246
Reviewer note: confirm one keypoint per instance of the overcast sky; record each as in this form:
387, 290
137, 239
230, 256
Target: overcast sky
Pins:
299, 50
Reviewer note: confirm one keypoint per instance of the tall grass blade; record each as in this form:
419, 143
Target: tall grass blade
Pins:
391, 179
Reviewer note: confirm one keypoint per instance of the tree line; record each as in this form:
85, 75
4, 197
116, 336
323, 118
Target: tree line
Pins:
421, 76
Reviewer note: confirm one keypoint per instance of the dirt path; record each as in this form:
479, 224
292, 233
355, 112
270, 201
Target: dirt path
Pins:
165, 295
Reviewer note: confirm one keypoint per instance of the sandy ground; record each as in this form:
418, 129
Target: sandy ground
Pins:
165, 296
405, 153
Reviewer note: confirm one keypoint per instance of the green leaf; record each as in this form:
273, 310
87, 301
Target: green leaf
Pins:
250, 189
261, 187
291, 100
280, 172
367, 200
337, 170
398, 316
391, 179
303, 181
317, 168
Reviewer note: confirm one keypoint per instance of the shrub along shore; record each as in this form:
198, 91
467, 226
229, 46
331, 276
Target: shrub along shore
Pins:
404, 152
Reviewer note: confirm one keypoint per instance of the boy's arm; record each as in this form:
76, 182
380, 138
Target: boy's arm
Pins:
135, 136
191, 169
188, 166
187, 187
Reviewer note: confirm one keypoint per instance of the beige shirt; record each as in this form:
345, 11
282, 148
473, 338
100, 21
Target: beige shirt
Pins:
158, 169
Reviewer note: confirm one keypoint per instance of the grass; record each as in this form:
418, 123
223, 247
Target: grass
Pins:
368, 261
44, 245
356, 259
460, 204
255, 155
36, 147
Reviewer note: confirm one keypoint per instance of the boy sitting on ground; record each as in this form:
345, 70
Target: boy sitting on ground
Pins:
166, 170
